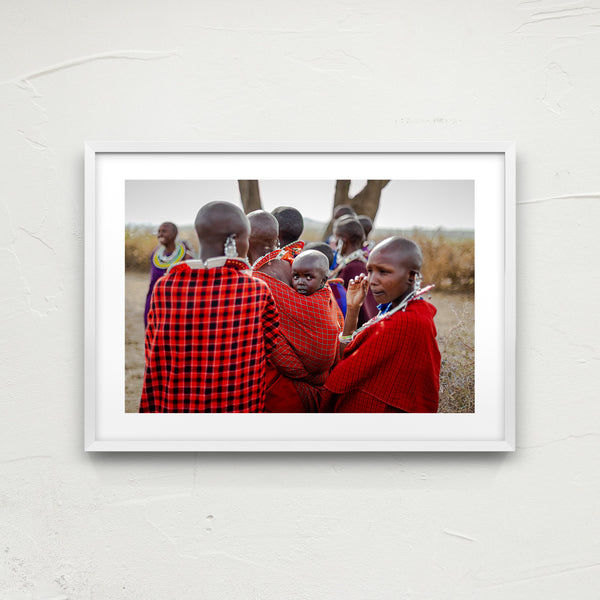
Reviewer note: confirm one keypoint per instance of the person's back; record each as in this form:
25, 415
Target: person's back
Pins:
208, 335
211, 327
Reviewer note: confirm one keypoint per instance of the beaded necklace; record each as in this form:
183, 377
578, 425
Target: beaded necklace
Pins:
163, 260
414, 295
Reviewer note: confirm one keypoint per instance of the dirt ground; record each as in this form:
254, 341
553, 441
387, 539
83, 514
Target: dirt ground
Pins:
454, 322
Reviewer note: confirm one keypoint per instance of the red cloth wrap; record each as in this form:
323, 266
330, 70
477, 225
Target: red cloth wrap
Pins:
311, 324
393, 364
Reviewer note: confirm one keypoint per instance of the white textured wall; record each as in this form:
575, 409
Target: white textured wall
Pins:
518, 526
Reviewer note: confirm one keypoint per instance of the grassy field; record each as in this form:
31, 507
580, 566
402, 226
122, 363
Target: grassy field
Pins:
454, 322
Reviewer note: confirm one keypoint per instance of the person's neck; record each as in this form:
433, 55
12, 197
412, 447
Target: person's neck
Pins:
350, 249
170, 247
401, 298
205, 255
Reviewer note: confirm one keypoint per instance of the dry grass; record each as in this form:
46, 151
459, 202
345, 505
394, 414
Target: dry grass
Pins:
456, 339
449, 263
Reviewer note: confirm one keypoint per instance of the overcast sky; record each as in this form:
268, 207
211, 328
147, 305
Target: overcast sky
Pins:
404, 204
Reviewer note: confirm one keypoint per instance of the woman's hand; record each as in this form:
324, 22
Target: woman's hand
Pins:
357, 291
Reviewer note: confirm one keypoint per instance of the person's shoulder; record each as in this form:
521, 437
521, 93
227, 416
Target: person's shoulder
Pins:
424, 308
252, 283
419, 312
356, 266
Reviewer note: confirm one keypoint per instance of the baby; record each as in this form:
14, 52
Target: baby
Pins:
309, 272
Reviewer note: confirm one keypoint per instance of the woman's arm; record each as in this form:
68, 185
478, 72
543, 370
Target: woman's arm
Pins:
355, 296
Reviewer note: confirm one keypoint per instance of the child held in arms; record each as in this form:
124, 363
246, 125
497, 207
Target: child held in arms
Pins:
392, 363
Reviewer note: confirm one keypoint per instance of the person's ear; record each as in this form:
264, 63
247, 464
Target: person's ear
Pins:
411, 276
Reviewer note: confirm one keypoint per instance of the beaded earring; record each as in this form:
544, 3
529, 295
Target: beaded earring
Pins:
417, 284
230, 249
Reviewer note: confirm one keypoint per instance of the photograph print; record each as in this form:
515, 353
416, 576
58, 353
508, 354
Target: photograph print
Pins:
299, 296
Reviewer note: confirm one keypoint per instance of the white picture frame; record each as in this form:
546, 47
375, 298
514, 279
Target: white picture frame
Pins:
108, 165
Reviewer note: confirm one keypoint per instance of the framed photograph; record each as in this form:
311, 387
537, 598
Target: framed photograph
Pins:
455, 201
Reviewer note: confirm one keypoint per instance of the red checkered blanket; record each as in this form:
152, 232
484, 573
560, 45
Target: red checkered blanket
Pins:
311, 324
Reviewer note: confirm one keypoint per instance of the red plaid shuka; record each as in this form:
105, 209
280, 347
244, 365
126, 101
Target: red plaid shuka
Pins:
209, 333
391, 365
311, 324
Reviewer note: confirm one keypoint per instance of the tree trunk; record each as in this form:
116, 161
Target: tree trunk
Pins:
366, 202
250, 194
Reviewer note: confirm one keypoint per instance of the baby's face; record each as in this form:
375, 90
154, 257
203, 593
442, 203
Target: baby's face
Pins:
307, 276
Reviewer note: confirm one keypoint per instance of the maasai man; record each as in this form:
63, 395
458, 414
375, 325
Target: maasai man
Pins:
392, 364
211, 326
166, 254
352, 260
264, 234
291, 224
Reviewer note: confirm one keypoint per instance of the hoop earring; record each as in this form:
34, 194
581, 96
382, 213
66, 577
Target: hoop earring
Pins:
230, 249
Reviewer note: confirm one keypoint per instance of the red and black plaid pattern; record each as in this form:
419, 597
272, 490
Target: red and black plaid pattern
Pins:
395, 361
311, 324
209, 333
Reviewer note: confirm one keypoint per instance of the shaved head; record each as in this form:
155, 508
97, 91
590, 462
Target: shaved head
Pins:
342, 209
215, 222
309, 272
367, 224
291, 224
402, 251
312, 258
171, 225
264, 233
349, 228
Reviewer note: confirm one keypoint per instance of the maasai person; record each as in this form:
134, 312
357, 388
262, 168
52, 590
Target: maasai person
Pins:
309, 272
336, 285
310, 321
391, 364
291, 224
264, 234
163, 256
352, 260
265, 230
367, 225
339, 211
212, 326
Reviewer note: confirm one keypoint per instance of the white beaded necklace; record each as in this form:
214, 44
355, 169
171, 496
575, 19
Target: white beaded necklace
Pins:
414, 295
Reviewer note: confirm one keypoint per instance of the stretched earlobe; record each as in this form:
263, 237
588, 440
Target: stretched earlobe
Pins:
230, 249
417, 279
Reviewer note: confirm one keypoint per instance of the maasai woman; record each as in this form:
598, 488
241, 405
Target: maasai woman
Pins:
168, 253
392, 363
351, 260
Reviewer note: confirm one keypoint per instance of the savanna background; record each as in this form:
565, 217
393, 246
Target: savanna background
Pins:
449, 255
